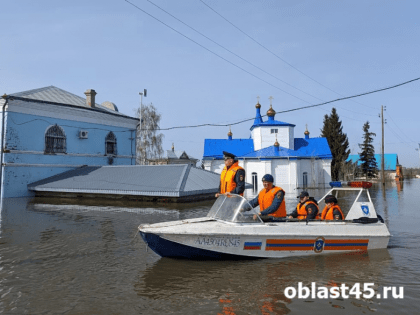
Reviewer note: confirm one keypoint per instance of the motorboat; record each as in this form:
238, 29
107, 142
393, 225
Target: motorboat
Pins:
233, 230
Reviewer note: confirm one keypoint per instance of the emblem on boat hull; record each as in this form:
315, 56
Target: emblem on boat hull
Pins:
365, 209
319, 244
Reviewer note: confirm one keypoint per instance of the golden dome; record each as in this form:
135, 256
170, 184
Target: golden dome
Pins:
276, 144
230, 133
271, 112
258, 105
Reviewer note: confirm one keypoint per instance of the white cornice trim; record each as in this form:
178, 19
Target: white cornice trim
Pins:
44, 165
71, 113
70, 154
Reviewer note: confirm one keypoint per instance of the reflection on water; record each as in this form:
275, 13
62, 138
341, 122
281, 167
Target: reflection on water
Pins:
251, 287
57, 257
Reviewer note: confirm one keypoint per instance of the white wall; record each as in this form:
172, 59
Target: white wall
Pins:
207, 165
214, 165
259, 167
326, 171
287, 173
281, 172
319, 172
291, 138
256, 137
269, 138
304, 166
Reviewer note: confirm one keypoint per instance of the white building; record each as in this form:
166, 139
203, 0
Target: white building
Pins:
273, 149
174, 157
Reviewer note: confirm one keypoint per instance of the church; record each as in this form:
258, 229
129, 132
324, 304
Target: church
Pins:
273, 149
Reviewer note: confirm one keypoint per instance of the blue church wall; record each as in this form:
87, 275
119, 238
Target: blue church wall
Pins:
27, 133
17, 178
25, 160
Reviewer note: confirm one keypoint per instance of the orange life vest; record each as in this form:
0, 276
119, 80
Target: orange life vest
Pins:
265, 199
227, 178
301, 210
328, 214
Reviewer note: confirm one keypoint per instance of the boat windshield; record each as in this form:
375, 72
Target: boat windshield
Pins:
233, 208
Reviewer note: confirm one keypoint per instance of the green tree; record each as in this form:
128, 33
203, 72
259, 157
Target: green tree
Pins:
338, 143
149, 142
368, 163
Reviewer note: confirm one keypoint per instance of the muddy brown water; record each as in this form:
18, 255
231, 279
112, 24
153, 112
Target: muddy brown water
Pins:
61, 258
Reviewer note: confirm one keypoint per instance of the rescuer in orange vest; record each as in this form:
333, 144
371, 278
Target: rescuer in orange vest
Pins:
232, 179
332, 210
306, 209
270, 199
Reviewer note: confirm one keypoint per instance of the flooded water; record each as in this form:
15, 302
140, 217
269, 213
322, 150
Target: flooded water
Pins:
87, 259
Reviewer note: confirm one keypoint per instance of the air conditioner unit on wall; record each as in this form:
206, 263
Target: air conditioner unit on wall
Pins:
83, 134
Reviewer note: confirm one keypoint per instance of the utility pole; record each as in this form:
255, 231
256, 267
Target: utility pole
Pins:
383, 148
141, 118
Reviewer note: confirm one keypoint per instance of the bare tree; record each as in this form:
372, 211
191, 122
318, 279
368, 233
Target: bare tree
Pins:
149, 142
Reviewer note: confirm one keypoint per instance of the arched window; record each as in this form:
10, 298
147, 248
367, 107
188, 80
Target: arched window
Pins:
55, 140
111, 144
254, 181
305, 179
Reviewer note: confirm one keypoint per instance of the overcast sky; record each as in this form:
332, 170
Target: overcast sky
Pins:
299, 52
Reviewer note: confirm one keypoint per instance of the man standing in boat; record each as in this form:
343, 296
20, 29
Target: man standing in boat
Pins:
232, 179
270, 199
332, 210
306, 209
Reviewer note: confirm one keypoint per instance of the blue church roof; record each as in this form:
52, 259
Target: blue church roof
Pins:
304, 148
244, 148
213, 148
391, 160
258, 122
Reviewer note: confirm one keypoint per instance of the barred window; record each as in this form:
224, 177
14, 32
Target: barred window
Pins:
55, 140
111, 144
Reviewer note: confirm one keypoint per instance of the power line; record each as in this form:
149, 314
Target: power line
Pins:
350, 111
231, 53
243, 59
273, 53
390, 116
230, 62
397, 135
298, 108
230, 124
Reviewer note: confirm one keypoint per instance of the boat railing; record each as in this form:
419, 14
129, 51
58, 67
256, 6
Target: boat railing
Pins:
362, 206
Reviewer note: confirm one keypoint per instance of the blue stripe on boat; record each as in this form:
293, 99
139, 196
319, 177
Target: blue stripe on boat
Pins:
171, 249
253, 244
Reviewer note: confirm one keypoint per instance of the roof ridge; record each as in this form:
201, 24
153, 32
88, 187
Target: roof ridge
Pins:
185, 177
51, 88
32, 91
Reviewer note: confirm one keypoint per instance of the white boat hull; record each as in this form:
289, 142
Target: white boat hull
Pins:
204, 238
